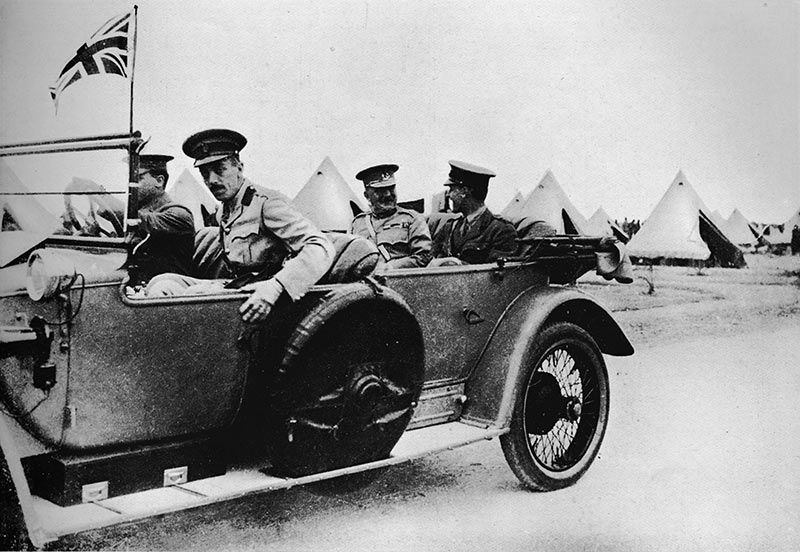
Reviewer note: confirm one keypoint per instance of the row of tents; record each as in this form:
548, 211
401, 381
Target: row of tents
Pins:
680, 230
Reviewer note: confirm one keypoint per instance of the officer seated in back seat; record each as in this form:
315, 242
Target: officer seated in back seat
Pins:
401, 235
268, 246
477, 236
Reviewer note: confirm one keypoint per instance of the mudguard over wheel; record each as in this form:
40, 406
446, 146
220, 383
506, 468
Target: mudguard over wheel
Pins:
561, 409
350, 391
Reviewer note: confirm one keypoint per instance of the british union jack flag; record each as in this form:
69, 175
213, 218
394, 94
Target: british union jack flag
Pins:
106, 52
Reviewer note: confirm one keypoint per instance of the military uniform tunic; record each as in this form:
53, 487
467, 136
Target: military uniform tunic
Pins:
260, 231
483, 240
402, 238
166, 231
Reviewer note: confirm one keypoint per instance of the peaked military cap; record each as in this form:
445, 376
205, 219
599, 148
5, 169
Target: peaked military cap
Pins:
213, 144
467, 174
154, 162
379, 176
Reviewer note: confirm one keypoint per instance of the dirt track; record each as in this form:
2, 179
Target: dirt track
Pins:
701, 453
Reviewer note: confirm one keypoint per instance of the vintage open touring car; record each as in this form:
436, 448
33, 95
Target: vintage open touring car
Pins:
117, 406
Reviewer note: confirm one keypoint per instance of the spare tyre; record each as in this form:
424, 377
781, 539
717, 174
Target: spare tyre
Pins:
348, 383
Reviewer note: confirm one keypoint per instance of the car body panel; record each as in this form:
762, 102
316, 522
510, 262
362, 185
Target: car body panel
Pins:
143, 370
445, 300
495, 382
137, 372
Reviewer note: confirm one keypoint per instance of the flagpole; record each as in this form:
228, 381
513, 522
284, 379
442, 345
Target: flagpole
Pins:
132, 219
133, 59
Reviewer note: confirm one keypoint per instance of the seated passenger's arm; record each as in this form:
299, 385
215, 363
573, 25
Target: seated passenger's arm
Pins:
175, 220
419, 244
503, 242
312, 251
441, 236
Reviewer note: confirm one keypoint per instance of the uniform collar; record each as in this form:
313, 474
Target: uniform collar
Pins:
157, 203
472, 217
376, 217
237, 199
234, 205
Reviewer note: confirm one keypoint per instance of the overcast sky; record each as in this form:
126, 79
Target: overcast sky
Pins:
613, 96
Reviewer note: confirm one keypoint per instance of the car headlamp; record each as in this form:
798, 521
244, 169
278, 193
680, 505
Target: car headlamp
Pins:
48, 272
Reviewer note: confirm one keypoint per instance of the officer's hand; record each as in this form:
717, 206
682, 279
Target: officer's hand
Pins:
258, 305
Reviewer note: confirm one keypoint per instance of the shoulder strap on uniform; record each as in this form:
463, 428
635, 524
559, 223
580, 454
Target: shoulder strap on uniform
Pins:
247, 198
371, 228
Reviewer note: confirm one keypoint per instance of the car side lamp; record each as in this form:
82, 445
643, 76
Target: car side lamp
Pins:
48, 273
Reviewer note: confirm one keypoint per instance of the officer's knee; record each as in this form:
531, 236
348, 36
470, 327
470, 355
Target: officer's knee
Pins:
445, 261
165, 285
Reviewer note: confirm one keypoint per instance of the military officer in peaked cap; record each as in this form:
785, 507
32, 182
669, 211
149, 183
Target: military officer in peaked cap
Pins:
402, 235
266, 242
165, 235
477, 236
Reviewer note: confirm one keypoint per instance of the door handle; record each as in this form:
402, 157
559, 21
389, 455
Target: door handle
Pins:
471, 316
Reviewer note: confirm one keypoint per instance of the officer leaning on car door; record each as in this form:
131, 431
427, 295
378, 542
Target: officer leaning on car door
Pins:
267, 244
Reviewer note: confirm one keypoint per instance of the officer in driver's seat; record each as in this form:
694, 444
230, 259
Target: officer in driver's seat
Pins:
269, 247
164, 240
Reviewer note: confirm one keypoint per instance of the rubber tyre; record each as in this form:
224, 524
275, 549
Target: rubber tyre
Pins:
13, 532
378, 339
558, 341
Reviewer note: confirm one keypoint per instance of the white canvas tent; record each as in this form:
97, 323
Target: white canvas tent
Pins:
739, 231
773, 235
327, 200
600, 224
514, 206
547, 202
187, 191
680, 229
23, 212
719, 220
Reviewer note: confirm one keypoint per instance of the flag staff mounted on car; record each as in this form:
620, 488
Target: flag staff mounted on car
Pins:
111, 50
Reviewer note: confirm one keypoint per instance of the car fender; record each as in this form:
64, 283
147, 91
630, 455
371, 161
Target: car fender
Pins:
493, 383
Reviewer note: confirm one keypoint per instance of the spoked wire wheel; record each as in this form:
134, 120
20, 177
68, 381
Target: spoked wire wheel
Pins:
561, 409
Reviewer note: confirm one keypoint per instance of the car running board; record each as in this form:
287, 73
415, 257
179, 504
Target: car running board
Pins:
55, 521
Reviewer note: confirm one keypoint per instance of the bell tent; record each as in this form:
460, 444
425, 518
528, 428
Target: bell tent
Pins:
780, 235
549, 204
20, 211
511, 210
600, 224
187, 191
740, 231
719, 220
327, 200
680, 231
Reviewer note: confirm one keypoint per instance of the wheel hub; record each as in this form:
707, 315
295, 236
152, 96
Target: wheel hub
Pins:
546, 405
367, 390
